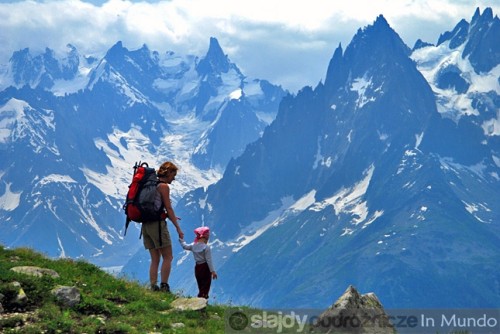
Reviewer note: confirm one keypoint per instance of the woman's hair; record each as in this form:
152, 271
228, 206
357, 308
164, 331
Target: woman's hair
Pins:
165, 168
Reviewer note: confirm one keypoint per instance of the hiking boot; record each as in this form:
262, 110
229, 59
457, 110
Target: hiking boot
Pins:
164, 287
155, 287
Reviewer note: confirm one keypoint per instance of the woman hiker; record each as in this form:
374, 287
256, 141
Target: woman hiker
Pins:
157, 240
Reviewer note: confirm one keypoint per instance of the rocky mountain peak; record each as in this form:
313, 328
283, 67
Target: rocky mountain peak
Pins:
116, 52
482, 46
214, 61
43, 69
374, 48
479, 18
457, 36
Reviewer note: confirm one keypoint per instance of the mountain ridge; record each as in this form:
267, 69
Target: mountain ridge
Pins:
89, 130
371, 185
384, 176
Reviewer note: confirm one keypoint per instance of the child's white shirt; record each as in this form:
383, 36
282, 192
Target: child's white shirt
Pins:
201, 251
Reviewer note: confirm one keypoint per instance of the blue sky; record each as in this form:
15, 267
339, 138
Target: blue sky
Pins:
286, 42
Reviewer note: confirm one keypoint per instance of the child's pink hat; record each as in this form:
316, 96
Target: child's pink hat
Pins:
201, 232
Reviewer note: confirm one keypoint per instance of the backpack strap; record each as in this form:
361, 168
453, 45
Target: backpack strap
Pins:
161, 209
127, 222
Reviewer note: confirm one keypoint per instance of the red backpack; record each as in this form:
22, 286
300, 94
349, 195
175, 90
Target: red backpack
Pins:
140, 201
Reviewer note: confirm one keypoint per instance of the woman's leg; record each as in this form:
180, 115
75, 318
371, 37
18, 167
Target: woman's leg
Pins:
153, 267
166, 266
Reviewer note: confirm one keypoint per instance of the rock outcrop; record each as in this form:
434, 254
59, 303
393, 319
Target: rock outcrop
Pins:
189, 304
354, 313
35, 271
67, 296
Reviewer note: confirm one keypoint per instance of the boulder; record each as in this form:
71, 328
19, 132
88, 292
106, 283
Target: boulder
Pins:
35, 271
68, 296
354, 313
21, 299
177, 325
189, 304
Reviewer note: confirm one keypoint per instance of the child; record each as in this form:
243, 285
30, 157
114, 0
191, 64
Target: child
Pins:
204, 270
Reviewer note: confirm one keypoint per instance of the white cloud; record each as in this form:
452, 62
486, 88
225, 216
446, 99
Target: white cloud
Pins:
286, 42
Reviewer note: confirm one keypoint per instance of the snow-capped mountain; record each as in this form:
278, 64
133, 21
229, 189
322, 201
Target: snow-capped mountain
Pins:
72, 127
386, 176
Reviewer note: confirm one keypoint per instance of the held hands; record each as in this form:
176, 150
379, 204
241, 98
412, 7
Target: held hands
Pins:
179, 231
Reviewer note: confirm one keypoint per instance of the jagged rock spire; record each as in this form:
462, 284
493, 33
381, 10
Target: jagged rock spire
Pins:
215, 59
